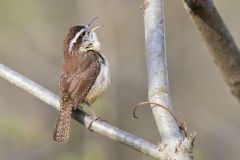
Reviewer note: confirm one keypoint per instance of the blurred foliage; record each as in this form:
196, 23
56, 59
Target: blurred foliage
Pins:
91, 151
10, 128
13, 131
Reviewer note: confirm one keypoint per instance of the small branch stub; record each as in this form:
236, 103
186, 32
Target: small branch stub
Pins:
144, 5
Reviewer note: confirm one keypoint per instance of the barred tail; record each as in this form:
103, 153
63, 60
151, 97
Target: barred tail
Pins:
61, 131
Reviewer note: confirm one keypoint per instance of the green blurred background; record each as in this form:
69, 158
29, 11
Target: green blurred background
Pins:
31, 35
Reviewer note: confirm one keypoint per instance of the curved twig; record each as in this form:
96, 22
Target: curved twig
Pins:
182, 124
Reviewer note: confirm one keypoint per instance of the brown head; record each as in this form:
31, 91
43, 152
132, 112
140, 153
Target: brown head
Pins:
81, 38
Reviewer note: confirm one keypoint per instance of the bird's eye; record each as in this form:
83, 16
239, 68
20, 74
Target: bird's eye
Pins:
84, 33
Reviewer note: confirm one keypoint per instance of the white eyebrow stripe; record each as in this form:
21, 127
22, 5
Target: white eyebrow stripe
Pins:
74, 40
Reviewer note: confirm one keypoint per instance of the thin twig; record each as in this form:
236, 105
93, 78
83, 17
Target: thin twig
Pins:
182, 124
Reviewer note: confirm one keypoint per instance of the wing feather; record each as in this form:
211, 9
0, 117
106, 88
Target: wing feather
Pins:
76, 82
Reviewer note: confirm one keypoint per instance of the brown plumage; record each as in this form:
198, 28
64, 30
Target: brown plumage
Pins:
82, 80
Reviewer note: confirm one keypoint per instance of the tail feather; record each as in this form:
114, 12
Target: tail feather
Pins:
61, 131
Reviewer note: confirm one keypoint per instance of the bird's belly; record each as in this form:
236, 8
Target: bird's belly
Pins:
101, 84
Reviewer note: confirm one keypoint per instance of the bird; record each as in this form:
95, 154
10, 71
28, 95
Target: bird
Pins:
85, 75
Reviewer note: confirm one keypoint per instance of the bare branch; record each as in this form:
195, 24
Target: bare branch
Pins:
99, 126
157, 70
218, 39
158, 87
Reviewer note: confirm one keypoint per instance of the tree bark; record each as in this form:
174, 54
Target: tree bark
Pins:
218, 39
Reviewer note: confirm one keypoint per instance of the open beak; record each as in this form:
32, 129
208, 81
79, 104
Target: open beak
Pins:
95, 28
91, 22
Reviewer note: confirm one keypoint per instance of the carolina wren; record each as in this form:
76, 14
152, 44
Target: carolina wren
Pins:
84, 75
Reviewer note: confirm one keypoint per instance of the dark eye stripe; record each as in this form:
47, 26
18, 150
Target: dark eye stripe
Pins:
74, 40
